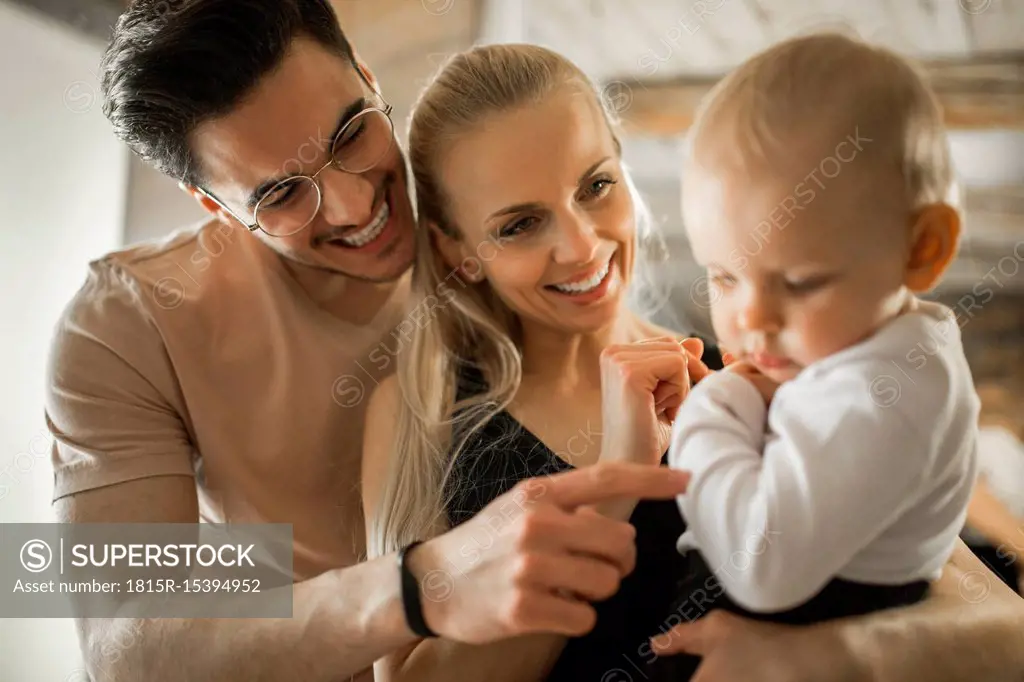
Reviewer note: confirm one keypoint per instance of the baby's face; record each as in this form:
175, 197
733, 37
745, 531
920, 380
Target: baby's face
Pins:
799, 266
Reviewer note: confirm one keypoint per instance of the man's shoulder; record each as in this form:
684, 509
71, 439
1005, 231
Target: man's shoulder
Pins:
195, 254
140, 299
185, 269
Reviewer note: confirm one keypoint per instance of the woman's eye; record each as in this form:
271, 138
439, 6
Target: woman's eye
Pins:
598, 188
517, 227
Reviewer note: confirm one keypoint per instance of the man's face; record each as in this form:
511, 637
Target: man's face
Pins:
285, 127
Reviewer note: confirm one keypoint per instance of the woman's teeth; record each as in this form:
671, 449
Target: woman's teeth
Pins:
586, 285
371, 231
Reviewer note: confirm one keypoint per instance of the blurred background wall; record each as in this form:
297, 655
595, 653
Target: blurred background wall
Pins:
70, 191
63, 191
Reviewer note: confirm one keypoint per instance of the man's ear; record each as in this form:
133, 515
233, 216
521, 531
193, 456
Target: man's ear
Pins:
208, 204
367, 74
455, 254
935, 233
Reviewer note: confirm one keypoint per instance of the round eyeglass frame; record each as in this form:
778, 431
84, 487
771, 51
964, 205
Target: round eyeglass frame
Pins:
333, 162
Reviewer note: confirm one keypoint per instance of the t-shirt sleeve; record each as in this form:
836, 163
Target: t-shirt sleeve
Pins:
113, 405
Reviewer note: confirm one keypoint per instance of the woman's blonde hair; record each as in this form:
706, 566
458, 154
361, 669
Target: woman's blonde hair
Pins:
465, 323
853, 88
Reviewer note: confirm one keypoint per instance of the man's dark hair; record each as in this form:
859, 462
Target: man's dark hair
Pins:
173, 64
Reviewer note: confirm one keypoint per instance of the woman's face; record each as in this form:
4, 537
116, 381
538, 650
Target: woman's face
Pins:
539, 199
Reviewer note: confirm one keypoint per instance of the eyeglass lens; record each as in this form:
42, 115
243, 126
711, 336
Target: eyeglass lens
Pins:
293, 203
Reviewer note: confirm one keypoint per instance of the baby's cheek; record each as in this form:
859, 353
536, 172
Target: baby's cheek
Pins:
828, 329
726, 326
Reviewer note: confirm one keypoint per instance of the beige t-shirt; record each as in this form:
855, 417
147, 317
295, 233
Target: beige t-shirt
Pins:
201, 355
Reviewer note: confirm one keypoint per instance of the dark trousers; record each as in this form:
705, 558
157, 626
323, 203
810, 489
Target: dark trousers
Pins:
1003, 566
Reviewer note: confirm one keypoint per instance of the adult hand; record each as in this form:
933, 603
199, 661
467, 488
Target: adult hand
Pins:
735, 648
642, 386
765, 386
533, 559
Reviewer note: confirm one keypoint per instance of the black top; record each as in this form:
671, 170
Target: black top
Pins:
664, 589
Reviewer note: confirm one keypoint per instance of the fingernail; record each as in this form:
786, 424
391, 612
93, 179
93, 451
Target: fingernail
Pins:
659, 641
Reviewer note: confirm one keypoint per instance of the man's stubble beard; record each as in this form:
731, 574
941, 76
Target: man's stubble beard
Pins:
320, 267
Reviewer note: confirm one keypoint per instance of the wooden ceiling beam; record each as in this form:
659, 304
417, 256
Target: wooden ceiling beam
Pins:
977, 94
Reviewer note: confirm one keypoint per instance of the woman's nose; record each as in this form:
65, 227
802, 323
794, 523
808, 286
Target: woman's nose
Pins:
577, 241
346, 198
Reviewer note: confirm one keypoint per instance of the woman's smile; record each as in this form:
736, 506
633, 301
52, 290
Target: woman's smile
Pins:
590, 286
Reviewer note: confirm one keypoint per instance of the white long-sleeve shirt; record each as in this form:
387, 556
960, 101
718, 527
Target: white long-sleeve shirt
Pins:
863, 470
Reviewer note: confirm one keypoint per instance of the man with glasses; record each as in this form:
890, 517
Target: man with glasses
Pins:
223, 375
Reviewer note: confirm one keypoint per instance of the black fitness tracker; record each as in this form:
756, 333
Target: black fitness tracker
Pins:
411, 603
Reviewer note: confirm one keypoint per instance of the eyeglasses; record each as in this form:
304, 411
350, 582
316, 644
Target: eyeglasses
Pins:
291, 204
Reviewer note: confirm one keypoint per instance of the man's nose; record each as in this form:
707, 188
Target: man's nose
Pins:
346, 198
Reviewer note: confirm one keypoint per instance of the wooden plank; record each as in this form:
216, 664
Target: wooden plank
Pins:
620, 34
562, 24
391, 30
406, 41
676, 42
975, 94
994, 25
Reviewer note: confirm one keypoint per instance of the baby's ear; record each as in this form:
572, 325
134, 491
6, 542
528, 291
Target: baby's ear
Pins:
935, 233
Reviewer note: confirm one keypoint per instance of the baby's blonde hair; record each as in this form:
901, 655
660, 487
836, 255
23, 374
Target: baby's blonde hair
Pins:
811, 92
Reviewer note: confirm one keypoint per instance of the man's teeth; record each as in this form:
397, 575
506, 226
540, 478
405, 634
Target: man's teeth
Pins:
586, 285
371, 231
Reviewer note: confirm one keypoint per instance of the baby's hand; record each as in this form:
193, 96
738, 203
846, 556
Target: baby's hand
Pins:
765, 386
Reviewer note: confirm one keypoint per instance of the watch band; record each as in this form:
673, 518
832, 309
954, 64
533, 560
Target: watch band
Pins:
411, 602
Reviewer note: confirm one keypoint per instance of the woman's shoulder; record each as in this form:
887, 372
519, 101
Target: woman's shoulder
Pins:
383, 400
378, 431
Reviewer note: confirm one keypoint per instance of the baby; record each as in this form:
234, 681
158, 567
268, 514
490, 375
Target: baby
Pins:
833, 460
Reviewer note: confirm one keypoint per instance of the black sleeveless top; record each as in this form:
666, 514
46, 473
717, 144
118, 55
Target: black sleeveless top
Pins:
664, 589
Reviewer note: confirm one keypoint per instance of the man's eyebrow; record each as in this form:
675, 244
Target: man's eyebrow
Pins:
346, 115
532, 205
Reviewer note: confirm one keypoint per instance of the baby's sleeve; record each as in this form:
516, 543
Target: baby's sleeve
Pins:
834, 473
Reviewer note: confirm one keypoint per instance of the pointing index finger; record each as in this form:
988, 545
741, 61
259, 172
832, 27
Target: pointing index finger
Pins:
609, 481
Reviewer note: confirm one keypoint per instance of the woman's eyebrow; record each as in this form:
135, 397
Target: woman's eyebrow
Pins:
533, 205
516, 208
591, 170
